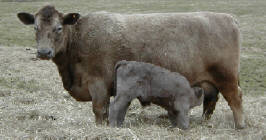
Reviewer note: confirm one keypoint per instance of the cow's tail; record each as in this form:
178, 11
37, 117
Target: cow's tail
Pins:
117, 65
239, 40
236, 25
238, 80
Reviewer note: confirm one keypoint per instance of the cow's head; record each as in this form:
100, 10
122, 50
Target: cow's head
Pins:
51, 29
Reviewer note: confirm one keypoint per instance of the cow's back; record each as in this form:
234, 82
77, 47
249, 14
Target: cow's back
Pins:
192, 44
188, 43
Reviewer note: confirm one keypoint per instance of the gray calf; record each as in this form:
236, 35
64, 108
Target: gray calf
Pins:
153, 84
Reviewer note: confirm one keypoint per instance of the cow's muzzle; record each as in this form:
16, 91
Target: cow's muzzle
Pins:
45, 54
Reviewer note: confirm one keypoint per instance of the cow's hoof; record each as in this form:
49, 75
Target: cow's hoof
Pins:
206, 116
240, 126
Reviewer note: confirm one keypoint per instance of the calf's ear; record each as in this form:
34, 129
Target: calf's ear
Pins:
198, 91
26, 18
70, 18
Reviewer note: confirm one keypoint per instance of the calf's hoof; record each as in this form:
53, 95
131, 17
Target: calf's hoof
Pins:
184, 127
112, 125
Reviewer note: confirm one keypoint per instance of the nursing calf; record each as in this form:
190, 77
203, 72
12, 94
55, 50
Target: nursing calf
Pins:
153, 84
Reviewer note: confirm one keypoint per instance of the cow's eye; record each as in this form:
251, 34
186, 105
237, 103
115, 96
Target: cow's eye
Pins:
58, 29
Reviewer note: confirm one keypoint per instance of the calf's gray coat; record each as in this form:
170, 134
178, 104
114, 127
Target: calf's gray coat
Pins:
152, 84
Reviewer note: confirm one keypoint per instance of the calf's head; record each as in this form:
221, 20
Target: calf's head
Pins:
198, 98
51, 29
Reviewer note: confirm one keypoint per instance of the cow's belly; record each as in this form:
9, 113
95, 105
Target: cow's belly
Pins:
80, 93
193, 70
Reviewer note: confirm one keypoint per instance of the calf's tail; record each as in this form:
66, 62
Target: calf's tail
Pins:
117, 65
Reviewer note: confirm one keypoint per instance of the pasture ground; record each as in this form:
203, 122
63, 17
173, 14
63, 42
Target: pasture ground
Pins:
34, 105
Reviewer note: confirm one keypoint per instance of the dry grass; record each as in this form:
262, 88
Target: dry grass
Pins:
33, 103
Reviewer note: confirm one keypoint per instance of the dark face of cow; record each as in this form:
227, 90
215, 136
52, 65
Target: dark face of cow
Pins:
51, 30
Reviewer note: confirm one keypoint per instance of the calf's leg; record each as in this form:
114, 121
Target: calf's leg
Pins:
118, 109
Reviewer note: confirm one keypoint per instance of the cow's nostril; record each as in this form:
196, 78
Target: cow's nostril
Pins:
44, 53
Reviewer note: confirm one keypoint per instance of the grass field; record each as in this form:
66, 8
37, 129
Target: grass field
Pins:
34, 105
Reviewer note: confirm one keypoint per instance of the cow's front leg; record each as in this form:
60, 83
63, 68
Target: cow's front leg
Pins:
100, 100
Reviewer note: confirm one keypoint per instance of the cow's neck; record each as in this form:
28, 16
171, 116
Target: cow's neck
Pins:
62, 60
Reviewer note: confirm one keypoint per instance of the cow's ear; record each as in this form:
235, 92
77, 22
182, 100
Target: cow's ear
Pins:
26, 18
70, 18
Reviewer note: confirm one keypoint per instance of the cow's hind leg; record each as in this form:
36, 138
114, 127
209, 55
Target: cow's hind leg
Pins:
233, 95
118, 109
226, 80
210, 99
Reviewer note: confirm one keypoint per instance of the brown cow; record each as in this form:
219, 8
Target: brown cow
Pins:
202, 46
153, 84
